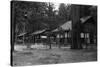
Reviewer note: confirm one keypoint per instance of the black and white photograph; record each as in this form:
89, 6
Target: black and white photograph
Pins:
45, 33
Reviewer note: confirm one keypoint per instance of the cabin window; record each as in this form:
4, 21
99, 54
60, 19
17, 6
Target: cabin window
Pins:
87, 35
61, 36
66, 35
43, 36
57, 35
82, 35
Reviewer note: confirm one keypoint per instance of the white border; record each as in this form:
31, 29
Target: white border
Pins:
5, 33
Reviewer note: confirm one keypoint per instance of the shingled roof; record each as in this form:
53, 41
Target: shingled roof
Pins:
68, 25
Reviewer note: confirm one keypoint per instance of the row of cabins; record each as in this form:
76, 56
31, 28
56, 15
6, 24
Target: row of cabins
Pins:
62, 34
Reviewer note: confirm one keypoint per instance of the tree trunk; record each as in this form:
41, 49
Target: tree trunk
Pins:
76, 44
59, 40
49, 43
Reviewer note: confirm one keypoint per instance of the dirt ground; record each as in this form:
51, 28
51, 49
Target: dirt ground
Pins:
52, 56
